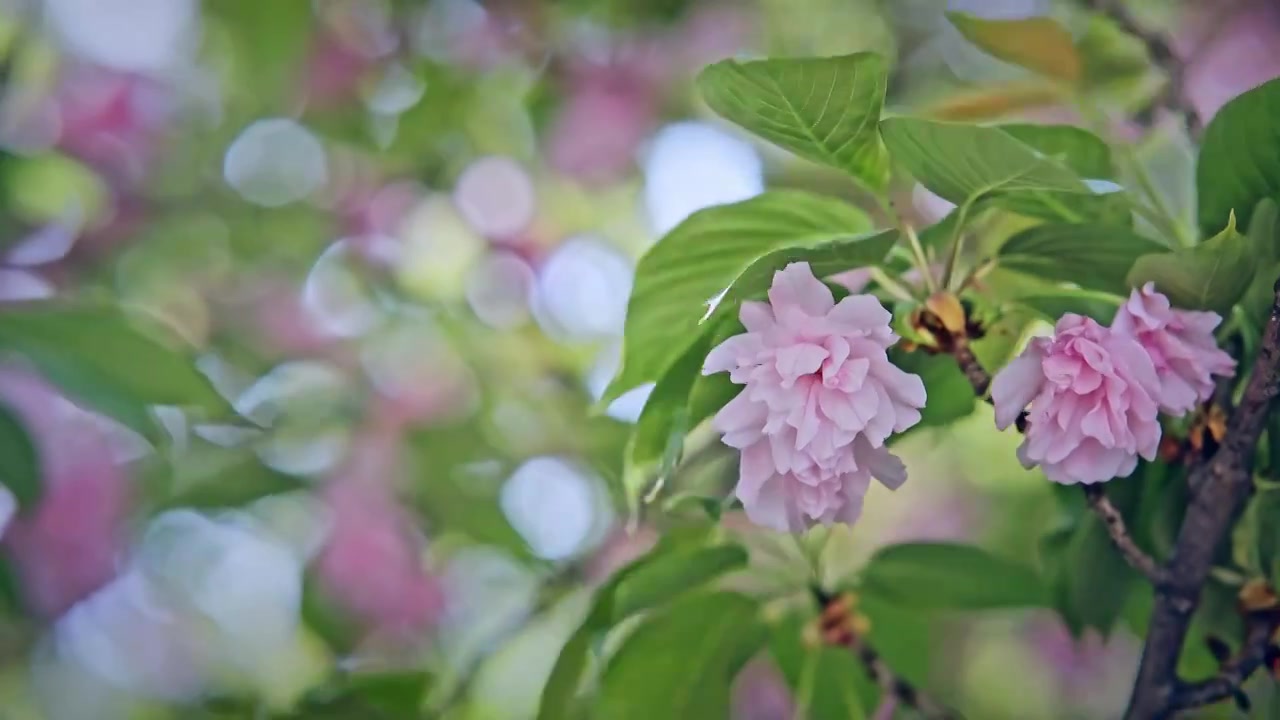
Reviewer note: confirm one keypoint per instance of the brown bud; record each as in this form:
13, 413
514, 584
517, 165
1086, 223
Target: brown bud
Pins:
949, 311
1257, 595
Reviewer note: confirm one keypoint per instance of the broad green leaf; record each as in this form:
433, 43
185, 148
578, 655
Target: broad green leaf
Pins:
704, 256
963, 163
1240, 158
667, 572
665, 420
671, 574
1099, 306
1210, 276
950, 576
1117, 67
19, 460
950, 394
106, 361
822, 109
681, 662
1264, 240
1265, 511
1037, 43
825, 260
1092, 256
712, 392
1074, 148
1089, 582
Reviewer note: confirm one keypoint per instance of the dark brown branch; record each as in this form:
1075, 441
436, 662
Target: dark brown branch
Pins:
1111, 517
972, 369
1253, 655
1172, 97
1224, 484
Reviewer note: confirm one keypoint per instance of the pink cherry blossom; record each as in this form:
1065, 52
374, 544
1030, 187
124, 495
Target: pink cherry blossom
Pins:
821, 399
1093, 402
1181, 345
372, 563
67, 545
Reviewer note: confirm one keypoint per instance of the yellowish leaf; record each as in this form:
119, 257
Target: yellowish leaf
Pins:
1039, 44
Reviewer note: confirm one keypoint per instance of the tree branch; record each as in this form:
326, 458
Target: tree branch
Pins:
1253, 655
1172, 96
1137, 558
1224, 484
891, 685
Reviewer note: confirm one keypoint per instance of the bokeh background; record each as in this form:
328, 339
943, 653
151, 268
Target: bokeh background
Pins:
400, 235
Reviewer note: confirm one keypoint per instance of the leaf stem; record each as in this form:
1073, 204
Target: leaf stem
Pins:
913, 243
957, 239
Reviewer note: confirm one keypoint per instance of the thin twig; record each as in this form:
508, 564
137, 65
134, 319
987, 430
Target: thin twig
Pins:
1111, 517
1172, 97
893, 685
1254, 652
1224, 485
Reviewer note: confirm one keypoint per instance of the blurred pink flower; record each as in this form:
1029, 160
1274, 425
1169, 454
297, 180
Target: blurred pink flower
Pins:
604, 119
821, 399
67, 546
334, 71
1091, 672
760, 693
111, 121
1093, 402
1239, 55
1181, 345
713, 31
372, 562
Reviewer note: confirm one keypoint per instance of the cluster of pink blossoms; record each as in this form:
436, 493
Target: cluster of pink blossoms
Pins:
819, 402
1095, 392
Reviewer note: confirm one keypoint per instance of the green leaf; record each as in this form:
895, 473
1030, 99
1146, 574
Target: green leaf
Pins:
1239, 162
822, 109
665, 420
1075, 148
712, 392
368, 695
681, 662
19, 460
671, 574
1037, 43
703, 257
1264, 239
1210, 276
667, 572
1265, 509
826, 681
963, 163
1089, 582
825, 259
1099, 306
949, 392
1092, 256
106, 361
950, 576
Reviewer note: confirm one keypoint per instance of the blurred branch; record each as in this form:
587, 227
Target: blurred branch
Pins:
1172, 97
841, 626
1111, 517
1223, 486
